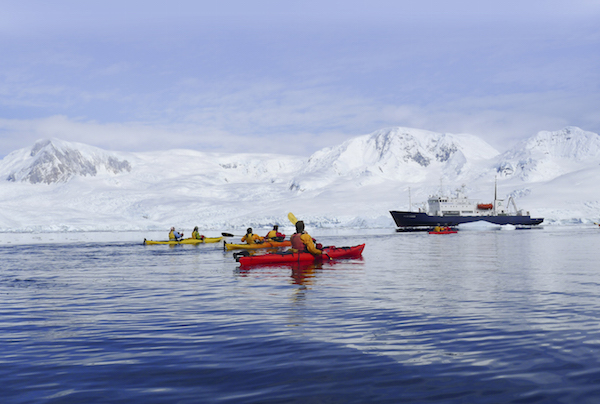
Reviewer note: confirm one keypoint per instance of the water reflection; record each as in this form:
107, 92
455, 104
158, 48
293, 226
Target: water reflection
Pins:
305, 274
300, 274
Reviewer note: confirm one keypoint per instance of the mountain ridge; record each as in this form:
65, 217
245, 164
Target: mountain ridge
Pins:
390, 153
397, 154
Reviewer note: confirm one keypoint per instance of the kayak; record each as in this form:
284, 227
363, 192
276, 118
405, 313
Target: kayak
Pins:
186, 241
295, 257
266, 244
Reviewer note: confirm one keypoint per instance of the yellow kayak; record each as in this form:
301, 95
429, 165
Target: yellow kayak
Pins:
186, 241
266, 244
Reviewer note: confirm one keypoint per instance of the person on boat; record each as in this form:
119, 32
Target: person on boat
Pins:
275, 235
175, 235
251, 238
302, 241
196, 235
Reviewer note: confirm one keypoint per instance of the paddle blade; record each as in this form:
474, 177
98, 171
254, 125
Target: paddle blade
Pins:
227, 235
292, 218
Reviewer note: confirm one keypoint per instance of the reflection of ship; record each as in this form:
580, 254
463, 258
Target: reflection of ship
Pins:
451, 211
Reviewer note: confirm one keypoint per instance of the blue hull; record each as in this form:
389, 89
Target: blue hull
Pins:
420, 219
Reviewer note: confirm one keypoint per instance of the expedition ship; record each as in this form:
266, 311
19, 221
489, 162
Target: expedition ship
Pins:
452, 211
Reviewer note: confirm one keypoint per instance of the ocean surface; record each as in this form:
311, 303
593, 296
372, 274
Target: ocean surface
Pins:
481, 316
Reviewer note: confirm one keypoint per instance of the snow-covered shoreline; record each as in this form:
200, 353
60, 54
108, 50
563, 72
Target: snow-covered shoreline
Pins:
15, 238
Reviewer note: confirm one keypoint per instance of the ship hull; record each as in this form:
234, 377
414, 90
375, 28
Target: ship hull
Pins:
407, 219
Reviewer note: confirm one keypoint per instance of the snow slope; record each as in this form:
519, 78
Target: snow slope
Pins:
549, 155
396, 154
62, 186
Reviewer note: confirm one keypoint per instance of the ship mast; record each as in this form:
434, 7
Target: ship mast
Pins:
495, 193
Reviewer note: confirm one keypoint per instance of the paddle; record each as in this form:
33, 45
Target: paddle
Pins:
232, 235
229, 235
292, 218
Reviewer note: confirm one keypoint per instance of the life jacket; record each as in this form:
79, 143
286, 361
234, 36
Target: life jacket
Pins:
297, 242
275, 236
249, 238
171, 235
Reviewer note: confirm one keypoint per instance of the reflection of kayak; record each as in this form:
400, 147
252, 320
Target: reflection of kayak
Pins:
443, 232
266, 244
186, 241
294, 257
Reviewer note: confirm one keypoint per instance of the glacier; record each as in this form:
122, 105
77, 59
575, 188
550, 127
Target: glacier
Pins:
59, 186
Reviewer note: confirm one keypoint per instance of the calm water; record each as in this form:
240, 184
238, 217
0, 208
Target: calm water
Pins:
483, 316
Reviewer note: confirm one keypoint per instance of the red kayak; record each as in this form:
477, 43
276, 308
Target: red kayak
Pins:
295, 257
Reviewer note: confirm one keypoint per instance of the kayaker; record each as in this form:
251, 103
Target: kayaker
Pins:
302, 241
251, 238
196, 235
175, 235
275, 235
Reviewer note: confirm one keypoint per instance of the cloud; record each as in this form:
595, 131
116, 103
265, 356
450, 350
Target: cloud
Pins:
303, 121
137, 136
268, 76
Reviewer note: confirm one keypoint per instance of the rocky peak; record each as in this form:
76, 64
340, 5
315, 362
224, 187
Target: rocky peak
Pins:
54, 161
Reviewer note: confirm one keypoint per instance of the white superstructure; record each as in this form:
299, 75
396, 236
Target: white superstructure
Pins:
460, 205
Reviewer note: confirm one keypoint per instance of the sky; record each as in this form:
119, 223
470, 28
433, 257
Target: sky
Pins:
266, 76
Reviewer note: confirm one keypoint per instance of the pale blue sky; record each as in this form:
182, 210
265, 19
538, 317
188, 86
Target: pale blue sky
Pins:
268, 76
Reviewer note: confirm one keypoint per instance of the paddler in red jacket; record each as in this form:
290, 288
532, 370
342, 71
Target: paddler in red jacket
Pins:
302, 241
275, 235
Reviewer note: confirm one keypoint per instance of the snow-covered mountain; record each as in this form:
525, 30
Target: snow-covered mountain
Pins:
57, 185
549, 155
52, 161
396, 154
